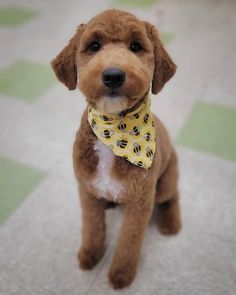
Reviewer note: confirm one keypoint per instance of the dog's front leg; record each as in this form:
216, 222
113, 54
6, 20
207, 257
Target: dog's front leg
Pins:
93, 230
125, 261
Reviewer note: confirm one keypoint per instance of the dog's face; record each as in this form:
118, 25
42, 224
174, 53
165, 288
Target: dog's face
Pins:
114, 59
115, 62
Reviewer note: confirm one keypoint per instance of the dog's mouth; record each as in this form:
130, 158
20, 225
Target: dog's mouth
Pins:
113, 102
114, 94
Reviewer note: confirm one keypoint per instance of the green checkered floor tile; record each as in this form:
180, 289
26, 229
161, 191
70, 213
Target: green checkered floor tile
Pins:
14, 16
26, 80
212, 129
136, 3
16, 182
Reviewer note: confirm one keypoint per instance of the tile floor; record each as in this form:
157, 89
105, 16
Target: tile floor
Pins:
39, 210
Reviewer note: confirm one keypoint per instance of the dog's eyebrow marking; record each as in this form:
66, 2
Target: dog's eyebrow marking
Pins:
94, 35
139, 37
135, 34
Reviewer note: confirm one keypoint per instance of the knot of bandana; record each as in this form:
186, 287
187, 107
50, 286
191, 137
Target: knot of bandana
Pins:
130, 136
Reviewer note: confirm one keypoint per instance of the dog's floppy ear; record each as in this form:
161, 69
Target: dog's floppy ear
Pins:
64, 63
164, 66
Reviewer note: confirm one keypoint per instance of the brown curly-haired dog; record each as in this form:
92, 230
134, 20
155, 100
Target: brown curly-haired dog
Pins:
117, 39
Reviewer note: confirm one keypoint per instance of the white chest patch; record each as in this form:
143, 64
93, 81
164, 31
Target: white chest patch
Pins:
107, 186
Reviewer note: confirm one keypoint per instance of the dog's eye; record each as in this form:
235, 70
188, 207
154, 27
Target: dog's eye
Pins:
94, 46
135, 47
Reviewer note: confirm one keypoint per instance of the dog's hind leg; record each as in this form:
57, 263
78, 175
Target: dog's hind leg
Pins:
167, 198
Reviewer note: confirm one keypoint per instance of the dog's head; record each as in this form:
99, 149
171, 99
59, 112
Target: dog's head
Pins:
114, 59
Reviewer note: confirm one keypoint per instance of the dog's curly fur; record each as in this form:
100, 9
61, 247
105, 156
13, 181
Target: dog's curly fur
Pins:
76, 65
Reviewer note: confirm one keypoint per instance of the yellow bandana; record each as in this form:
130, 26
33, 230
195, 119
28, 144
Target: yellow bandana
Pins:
131, 135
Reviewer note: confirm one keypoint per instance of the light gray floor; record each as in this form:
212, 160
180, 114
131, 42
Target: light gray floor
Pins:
38, 243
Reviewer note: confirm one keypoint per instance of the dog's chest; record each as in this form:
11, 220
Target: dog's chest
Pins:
105, 184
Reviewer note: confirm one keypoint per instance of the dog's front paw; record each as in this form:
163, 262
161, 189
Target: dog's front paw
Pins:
88, 258
121, 277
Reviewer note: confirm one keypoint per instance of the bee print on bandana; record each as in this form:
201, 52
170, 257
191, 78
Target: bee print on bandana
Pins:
140, 164
136, 131
122, 126
137, 149
148, 136
149, 153
107, 133
145, 118
93, 124
129, 135
122, 114
122, 143
105, 118
135, 116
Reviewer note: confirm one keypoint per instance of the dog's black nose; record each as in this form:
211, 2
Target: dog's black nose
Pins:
113, 77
